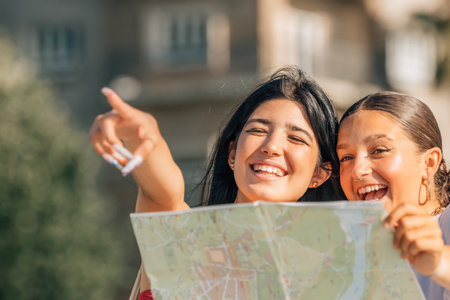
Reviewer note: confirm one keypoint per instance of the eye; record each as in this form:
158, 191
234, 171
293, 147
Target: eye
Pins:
297, 139
345, 158
256, 131
380, 150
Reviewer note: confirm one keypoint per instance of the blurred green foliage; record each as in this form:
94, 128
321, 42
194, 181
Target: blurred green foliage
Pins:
57, 235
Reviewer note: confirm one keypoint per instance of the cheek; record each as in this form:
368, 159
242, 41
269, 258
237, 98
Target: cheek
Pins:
396, 171
304, 158
345, 180
394, 165
246, 145
303, 164
245, 148
403, 179
241, 152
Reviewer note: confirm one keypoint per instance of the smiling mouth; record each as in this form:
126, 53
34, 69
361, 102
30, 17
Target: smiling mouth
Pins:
372, 192
268, 170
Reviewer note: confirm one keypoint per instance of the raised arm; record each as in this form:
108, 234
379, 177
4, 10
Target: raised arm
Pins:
160, 181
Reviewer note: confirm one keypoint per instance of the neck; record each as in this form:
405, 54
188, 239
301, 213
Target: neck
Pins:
429, 201
240, 198
438, 210
433, 207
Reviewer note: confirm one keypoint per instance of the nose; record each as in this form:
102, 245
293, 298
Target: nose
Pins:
361, 167
271, 145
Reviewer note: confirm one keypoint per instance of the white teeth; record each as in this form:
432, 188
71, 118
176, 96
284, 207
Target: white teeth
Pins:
269, 169
372, 188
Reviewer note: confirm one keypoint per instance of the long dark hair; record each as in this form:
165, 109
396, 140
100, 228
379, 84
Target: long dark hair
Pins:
418, 123
219, 186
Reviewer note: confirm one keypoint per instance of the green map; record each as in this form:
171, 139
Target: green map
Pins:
262, 250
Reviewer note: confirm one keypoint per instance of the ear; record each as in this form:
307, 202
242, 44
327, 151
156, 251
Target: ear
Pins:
432, 159
231, 154
321, 174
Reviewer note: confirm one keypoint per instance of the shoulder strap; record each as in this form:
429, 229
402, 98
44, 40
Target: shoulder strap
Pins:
135, 290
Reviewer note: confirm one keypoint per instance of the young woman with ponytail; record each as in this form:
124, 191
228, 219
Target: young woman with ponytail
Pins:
390, 150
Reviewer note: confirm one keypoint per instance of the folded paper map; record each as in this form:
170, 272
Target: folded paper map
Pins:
262, 250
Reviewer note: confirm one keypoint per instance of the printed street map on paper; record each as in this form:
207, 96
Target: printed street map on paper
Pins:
331, 250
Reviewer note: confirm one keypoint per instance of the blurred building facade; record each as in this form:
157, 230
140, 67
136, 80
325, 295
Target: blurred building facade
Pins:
189, 62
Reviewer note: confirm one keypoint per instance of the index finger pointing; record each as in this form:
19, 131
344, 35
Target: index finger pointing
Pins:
125, 110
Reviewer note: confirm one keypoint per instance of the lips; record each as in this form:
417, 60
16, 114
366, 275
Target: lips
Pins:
372, 192
268, 169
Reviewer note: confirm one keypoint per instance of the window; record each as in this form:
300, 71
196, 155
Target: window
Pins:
300, 38
180, 36
411, 57
58, 48
187, 41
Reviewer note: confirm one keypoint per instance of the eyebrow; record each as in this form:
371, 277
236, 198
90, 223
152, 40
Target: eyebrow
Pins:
377, 137
367, 140
289, 126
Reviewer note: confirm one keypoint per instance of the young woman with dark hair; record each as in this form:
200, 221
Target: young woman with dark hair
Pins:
390, 149
277, 146
292, 87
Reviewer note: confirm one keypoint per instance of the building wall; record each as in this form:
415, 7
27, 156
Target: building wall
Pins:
74, 66
190, 81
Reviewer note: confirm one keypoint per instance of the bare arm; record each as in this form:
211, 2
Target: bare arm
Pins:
442, 275
160, 181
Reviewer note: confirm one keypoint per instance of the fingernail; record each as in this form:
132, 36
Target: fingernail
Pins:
120, 158
112, 161
124, 151
107, 91
132, 164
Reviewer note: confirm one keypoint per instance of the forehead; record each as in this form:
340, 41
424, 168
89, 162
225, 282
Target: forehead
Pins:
281, 108
374, 118
365, 123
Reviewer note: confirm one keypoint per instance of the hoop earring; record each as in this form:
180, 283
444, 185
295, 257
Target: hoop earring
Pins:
428, 194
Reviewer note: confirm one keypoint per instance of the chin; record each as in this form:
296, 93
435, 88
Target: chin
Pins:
279, 200
267, 198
